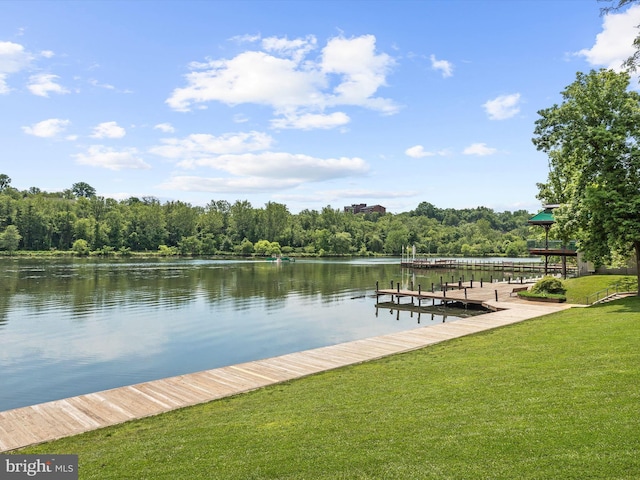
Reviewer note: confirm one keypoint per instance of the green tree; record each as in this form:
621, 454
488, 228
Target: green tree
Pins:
594, 159
5, 181
10, 238
81, 247
261, 247
242, 223
83, 189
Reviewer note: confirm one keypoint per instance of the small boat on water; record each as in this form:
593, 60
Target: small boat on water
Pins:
279, 259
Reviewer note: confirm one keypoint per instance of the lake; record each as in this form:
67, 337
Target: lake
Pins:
69, 327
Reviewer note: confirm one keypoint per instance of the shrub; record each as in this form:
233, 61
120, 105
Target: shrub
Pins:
81, 247
549, 285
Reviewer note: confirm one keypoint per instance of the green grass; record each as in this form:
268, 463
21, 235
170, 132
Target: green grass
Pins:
579, 288
555, 397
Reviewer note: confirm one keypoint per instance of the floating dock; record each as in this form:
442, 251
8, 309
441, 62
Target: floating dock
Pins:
494, 266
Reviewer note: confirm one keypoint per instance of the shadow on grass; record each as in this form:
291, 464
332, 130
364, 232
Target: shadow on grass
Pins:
623, 305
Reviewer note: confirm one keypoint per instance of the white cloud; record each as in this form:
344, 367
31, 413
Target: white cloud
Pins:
275, 165
47, 128
615, 43
201, 145
296, 49
503, 107
417, 151
280, 77
443, 66
108, 130
105, 157
266, 171
165, 127
251, 77
479, 149
13, 58
363, 71
227, 185
245, 164
311, 121
47, 54
4, 88
45, 83
96, 83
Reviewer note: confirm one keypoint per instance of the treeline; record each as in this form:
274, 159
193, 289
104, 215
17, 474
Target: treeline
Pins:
79, 220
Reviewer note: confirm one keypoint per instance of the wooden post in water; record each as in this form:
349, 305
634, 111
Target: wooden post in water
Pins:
419, 299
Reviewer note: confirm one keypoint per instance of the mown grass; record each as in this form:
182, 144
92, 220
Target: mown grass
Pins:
578, 289
555, 397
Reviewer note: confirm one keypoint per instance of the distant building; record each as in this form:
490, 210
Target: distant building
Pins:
363, 208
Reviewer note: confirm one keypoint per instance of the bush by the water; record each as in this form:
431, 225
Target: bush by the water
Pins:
548, 285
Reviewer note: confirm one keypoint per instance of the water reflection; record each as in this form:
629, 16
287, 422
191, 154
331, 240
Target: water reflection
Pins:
72, 327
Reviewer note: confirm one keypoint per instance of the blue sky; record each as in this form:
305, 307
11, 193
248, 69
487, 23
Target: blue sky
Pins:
306, 103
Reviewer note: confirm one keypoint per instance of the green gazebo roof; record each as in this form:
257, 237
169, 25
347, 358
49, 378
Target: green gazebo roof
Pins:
543, 218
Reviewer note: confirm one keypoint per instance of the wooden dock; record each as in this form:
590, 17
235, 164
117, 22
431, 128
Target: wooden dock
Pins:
491, 266
486, 295
60, 418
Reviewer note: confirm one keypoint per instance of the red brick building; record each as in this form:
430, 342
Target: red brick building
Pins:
363, 208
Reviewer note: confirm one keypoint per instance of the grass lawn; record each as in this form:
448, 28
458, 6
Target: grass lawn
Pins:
578, 289
555, 397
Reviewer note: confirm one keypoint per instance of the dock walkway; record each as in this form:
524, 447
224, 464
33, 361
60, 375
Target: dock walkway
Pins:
478, 293
44, 422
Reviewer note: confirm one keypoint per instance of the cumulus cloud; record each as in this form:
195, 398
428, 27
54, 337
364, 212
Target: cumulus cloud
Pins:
13, 58
44, 83
109, 158
503, 107
108, 130
480, 149
281, 76
614, 44
245, 163
201, 145
444, 66
227, 185
362, 72
47, 128
297, 48
165, 127
311, 121
418, 151
266, 171
274, 165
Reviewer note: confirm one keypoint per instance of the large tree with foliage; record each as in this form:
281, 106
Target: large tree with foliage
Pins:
594, 160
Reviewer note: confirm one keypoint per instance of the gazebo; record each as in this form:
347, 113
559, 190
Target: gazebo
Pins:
550, 248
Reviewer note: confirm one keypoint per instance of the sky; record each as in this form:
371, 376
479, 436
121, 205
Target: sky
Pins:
307, 103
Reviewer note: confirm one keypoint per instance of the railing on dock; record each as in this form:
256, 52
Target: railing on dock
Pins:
461, 264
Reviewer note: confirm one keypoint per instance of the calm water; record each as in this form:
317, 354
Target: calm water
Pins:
74, 327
